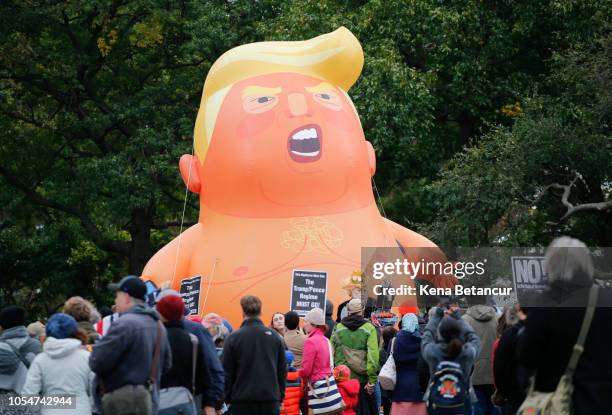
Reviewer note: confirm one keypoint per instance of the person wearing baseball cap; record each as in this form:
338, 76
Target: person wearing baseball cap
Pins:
124, 360
355, 344
131, 285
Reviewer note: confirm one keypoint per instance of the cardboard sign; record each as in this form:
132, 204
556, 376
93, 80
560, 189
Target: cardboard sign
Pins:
528, 274
309, 290
190, 292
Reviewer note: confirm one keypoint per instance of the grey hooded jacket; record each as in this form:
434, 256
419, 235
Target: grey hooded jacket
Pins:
12, 370
482, 319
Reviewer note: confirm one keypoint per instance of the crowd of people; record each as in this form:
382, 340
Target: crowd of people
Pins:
137, 359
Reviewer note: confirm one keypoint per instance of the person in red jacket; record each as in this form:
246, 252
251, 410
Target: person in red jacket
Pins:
349, 389
293, 390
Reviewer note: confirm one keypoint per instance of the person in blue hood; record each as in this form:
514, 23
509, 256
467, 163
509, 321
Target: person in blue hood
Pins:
407, 396
124, 357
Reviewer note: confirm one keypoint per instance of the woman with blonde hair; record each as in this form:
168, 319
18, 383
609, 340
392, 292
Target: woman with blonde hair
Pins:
82, 311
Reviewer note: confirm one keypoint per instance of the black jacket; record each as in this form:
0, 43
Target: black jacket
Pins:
254, 363
182, 365
214, 395
546, 345
510, 377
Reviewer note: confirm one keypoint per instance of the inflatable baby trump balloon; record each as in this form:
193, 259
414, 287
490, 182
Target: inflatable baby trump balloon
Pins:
284, 172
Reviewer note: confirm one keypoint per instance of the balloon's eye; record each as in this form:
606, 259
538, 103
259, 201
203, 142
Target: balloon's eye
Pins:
329, 99
259, 103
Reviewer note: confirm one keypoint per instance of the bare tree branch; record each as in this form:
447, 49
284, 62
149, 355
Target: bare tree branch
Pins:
571, 208
172, 224
599, 206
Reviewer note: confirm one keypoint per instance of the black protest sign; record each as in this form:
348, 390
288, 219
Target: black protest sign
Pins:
190, 292
309, 291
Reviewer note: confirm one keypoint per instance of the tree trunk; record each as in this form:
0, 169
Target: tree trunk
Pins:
467, 128
140, 246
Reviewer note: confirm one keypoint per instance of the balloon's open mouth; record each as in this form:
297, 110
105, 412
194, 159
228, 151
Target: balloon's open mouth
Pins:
304, 143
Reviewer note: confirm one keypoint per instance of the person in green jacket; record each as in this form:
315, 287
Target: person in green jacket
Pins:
355, 344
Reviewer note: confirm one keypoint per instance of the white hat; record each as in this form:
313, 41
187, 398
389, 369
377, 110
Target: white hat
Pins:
354, 306
315, 317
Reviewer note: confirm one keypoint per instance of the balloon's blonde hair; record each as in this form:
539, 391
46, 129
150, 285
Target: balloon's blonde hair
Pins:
336, 57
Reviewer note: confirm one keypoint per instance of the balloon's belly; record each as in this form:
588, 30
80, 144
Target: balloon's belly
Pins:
287, 269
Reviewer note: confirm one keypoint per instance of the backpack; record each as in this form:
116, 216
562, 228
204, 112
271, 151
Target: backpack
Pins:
356, 359
448, 390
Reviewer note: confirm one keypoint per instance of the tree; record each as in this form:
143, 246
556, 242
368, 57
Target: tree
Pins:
547, 174
437, 74
98, 102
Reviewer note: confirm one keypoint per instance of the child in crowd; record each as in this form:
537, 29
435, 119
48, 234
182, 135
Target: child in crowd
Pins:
293, 390
349, 388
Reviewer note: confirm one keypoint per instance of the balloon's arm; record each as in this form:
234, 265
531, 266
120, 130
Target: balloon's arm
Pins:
172, 261
419, 247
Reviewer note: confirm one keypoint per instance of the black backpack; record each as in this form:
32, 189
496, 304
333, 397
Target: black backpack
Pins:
448, 390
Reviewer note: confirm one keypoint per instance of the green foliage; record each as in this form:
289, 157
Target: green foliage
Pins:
509, 188
97, 103
475, 108
437, 75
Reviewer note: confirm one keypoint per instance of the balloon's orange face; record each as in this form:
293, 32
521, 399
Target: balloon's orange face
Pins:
284, 145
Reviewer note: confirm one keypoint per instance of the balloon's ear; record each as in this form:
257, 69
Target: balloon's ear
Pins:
190, 172
371, 158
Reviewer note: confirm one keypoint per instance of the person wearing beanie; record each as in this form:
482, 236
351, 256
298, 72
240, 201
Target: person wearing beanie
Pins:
212, 397
316, 368
349, 389
449, 338
294, 337
17, 349
407, 397
62, 368
355, 342
171, 309
12, 316
82, 311
122, 359
293, 388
